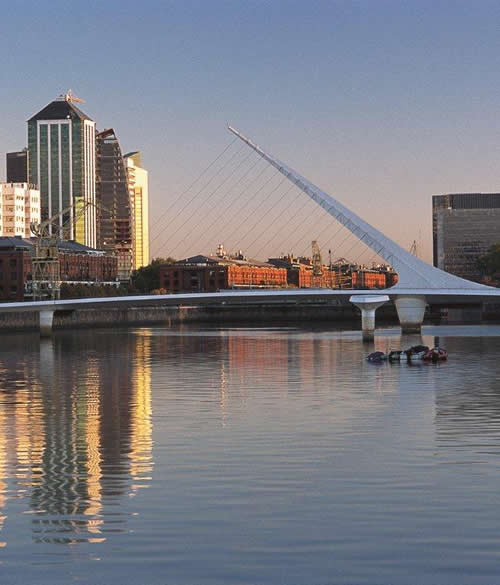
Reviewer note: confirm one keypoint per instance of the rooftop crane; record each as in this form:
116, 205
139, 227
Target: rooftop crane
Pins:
316, 259
70, 97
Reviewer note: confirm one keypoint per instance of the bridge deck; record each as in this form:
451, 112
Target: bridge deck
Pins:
253, 297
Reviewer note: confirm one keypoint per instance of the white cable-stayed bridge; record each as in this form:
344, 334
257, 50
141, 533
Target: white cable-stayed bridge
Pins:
238, 198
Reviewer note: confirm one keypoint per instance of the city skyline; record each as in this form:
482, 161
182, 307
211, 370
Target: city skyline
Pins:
385, 105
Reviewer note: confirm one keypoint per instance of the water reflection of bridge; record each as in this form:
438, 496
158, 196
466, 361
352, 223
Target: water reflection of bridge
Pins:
76, 432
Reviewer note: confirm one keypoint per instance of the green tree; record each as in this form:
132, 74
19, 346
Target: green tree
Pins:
147, 278
489, 263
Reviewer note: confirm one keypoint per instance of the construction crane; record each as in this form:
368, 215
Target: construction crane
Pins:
343, 269
317, 267
45, 270
70, 97
316, 259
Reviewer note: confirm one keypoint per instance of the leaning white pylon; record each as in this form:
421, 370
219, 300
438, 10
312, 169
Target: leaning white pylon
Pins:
413, 273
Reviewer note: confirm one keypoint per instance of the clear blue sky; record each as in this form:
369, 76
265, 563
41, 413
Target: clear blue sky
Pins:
382, 103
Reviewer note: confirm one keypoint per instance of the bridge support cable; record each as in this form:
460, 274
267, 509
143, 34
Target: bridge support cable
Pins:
413, 272
370, 260
319, 237
212, 193
237, 229
182, 194
300, 227
248, 201
284, 228
218, 172
222, 217
157, 220
215, 208
356, 243
272, 208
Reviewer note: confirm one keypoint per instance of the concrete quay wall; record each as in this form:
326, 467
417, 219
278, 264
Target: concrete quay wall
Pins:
169, 316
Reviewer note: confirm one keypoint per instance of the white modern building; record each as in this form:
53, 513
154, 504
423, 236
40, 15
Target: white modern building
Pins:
138, 188
19, 206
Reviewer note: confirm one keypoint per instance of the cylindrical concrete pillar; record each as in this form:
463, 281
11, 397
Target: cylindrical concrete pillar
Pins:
46, 320
411, 309
367, 323
368, 304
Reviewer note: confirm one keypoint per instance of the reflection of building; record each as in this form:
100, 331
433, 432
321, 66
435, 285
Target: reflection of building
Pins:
467, 405
61, 146
17, 166
115, 222
3, 474
96, 434
138, 186
141, 443
78, 264
21, 426
465, 226
19, 206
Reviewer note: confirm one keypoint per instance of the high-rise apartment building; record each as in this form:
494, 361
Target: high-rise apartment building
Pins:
17, 166
61, 161
138, 187
465, 226
19, 206
114, 213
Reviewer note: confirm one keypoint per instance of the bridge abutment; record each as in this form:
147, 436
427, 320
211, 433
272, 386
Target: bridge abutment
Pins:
410, 309
46, 321
368, 304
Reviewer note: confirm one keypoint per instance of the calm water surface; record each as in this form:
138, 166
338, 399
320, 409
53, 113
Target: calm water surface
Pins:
257, 456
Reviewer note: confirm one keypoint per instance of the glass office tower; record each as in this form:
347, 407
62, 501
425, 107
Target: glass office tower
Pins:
61, 147
465, 226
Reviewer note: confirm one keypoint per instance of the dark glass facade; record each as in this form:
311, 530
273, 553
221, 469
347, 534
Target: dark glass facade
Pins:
17, 167
115, 219
465, 226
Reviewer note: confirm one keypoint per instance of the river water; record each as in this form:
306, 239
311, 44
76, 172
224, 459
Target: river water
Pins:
249, 455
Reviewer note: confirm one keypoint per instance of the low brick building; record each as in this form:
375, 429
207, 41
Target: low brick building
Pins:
300, 275
363, 278
77, 264
211, 273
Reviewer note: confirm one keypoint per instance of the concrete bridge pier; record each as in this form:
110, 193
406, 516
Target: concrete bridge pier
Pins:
368, 304
46, 320
411, 309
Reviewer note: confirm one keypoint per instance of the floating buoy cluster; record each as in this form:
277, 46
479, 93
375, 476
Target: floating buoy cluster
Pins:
414, 353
